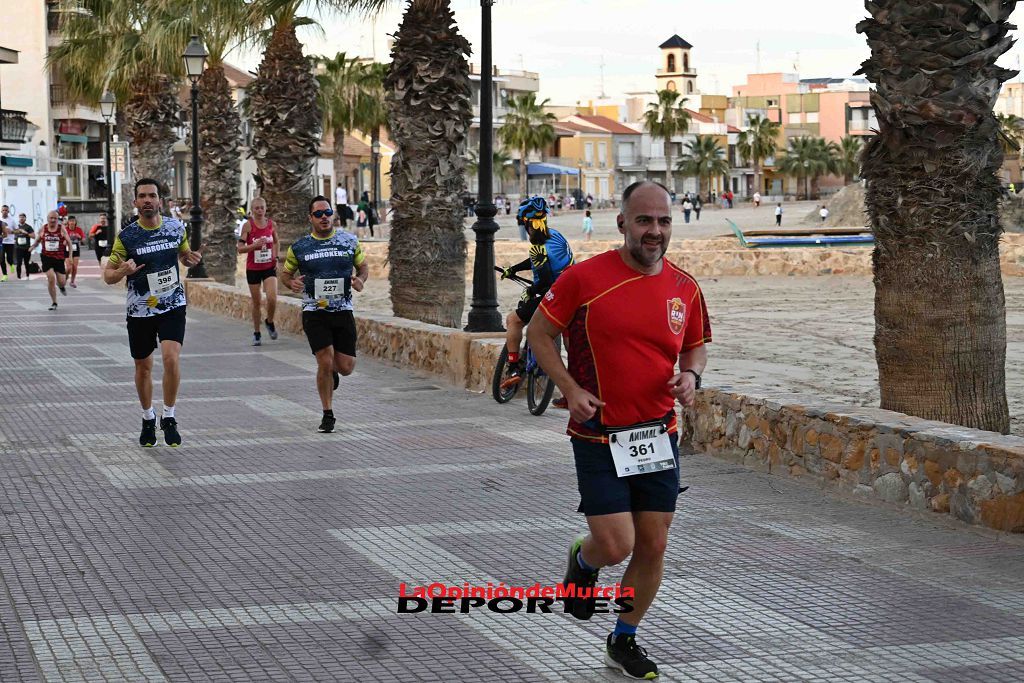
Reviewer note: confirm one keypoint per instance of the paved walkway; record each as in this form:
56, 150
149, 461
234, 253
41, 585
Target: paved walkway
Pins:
261, 550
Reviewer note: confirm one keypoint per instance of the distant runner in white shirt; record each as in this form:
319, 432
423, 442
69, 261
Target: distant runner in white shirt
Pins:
823, 213
778, 214
340, 195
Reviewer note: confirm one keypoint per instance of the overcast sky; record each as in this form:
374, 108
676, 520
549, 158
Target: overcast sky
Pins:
566, 40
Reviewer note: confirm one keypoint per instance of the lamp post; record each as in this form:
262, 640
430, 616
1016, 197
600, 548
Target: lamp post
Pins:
108, 103
375, 156
483, 313
195, 62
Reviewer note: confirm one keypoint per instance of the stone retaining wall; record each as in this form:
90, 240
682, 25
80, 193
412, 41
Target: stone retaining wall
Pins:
460, 358
710, 258
975, 476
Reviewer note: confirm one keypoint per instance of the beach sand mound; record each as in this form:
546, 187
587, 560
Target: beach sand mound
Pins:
846, 209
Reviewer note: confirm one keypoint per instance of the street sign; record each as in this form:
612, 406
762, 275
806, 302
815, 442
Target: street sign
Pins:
120, 160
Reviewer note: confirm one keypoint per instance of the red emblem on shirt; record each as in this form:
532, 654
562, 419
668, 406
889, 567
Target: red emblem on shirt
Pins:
676, 315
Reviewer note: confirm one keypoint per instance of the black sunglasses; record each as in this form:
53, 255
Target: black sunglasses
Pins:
323, 212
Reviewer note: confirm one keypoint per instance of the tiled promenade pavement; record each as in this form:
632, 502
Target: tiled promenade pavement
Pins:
263, 551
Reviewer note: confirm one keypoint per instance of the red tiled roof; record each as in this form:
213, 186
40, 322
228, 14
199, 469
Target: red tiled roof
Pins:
578, 127
734, 129
609, 125
237, 76
697, 116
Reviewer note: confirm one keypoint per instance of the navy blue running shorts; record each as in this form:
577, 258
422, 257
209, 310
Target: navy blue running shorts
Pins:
602, 492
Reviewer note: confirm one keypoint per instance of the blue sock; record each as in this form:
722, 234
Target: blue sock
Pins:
582, 563
623, 629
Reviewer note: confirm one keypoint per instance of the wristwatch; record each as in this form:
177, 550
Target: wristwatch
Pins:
695, 375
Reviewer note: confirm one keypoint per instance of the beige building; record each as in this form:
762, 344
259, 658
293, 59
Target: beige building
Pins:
68, 137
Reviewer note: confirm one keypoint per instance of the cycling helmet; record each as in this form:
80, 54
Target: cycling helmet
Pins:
533, 213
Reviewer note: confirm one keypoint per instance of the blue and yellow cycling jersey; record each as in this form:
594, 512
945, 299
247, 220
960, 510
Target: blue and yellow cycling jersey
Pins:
548, 260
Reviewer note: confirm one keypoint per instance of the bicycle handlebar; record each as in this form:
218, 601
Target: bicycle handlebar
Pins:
515, 278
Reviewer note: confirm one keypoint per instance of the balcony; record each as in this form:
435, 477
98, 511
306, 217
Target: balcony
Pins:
13, 126
679, 72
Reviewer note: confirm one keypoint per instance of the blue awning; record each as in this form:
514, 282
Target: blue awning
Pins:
22, 162
550, 169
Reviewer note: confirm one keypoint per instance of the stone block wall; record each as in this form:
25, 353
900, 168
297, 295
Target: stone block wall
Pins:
975, 476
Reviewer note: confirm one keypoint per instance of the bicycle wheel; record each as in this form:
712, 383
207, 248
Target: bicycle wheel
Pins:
539, 389
502, 388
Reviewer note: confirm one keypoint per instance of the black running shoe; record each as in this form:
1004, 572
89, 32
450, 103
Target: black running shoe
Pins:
624, 654
581, 608
271, 329
169, 426
256, 340
147, 439
337, 380
326, 425
53, 306
63, 291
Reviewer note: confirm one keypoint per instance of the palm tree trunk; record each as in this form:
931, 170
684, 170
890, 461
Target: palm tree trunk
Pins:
150, 119
286, 131
670, 180
338, 149
428, 246
523, 178
932, 195
757, 176
219, 173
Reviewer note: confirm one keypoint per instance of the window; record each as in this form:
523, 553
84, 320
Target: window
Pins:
626, 154
657, 149
812, 117
671, 64
11, 182
588, 153
686, 61
33, 183
689, 86
602, 154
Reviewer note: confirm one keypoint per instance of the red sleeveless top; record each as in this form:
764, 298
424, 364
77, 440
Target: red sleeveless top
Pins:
54, 245
260, 259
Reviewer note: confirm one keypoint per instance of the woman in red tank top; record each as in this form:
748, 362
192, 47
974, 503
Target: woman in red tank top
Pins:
258, 242
77, 236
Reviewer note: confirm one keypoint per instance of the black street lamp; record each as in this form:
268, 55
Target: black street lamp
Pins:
483, 313
195, 62
375, 152
108, 104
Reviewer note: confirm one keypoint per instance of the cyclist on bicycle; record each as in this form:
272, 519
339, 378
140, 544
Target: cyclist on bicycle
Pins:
550, 255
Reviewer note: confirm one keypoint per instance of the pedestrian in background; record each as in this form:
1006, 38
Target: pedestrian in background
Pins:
588, 226
778, 215
697, 206
687, 209
823, 213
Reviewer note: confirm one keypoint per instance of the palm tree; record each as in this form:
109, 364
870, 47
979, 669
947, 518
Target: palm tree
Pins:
848, 153
806, 159
283, 107
429, 103
826, 155
222, 25
108, 45
339, 78
703, 158
757, 143
528, 129
501, 163
664, 120
933, 196
371, 112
